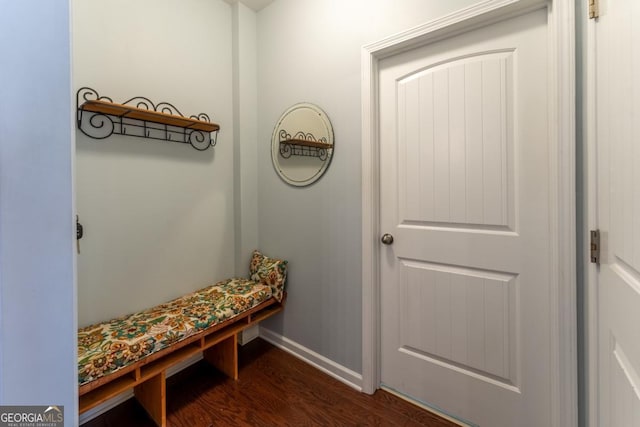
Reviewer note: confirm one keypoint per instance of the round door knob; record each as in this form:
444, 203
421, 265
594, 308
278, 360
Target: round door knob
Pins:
387, 239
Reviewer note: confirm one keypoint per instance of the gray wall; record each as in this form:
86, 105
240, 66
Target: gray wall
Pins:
37, 271
309, 50
158, 216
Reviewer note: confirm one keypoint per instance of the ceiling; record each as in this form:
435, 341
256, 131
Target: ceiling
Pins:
253, 4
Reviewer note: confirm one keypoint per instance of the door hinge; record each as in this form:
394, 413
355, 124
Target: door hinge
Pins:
594, 9
595, 246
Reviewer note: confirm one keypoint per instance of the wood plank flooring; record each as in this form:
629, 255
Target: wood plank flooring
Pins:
273, 389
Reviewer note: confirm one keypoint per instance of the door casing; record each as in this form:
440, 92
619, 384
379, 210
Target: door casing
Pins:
590, 270
561, 75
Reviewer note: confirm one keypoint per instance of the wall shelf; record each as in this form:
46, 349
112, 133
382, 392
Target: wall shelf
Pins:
99, 117
303, 144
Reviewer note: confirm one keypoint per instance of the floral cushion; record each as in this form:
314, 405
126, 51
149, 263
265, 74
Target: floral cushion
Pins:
107, 347
269, 271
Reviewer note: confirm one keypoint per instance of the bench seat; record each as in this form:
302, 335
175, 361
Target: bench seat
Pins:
108, 347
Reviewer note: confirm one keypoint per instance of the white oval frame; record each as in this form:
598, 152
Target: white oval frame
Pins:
317, 123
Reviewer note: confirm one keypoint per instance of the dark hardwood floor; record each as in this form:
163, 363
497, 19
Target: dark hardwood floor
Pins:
274, 389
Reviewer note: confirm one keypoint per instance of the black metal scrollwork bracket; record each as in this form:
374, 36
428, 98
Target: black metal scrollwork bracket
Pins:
144, 119
303, 144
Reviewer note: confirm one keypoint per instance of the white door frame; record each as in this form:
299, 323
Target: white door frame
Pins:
562, 256
590, 206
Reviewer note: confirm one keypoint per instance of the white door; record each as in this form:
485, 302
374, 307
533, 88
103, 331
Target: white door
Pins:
617, 108
465, 286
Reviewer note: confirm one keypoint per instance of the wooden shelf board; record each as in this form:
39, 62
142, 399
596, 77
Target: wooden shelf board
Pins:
130, 112
305, 143
266, 313
223, 334
154, 368
90, 386
105, 392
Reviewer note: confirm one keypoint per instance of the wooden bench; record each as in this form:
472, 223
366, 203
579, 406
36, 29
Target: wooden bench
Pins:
147, 376
135, 351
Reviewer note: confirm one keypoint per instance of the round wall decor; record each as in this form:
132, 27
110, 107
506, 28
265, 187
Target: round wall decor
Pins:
302, 144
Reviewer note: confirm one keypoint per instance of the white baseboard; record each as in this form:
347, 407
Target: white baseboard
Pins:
126, 395
329, 367
249, 334
174, 369
106, 406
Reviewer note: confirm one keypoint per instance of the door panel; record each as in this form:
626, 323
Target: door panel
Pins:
618, 201
456, 148
466, 318
465, 192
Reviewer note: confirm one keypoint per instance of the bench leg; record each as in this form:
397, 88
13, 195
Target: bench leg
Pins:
224, 356
152, 396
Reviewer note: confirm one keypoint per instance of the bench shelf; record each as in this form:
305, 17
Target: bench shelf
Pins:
147, 376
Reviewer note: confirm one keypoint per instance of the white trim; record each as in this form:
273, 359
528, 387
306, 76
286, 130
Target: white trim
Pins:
590, 176
477, 15
126, 395
248, 334
562, 155
329, 367
370, 223
174, 369
104, 407
562, 162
